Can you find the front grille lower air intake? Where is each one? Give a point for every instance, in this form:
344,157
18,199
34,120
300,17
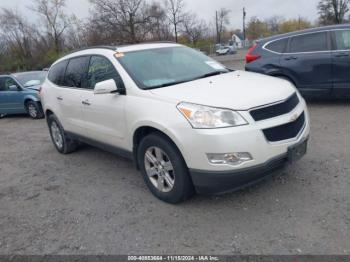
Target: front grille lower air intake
286,131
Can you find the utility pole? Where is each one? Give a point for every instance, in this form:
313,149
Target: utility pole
244,32
217,28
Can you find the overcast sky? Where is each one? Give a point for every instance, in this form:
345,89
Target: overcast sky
206,8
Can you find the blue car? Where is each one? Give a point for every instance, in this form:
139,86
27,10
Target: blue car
19,94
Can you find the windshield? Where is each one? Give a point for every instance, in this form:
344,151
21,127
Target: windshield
31,78
155,68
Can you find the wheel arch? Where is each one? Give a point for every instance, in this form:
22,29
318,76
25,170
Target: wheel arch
143,131
30,98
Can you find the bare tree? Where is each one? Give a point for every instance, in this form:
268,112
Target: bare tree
194,28
55,19
221,21
16,33
175,12
333,11
274,23
125,20
77,33
159,24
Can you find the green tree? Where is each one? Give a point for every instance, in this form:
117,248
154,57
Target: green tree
294,25
257,29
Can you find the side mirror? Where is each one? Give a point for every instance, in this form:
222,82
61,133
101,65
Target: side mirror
106,87
13,88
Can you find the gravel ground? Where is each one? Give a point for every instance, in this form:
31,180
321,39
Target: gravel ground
92,202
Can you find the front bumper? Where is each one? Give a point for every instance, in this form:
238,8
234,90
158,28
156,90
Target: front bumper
211,182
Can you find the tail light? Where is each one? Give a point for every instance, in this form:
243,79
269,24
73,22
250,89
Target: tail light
250,57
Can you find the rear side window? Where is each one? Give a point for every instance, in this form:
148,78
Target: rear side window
101,69
342,39
76,72
278,46
56,74
309,43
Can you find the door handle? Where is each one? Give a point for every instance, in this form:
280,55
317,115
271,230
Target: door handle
291,58
60,98
342,55
86,103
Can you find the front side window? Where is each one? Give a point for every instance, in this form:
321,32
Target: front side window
76,72
56,74
342,39
278,46
101,69
161,67
309,43
6,82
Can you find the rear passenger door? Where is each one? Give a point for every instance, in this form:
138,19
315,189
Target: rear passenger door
341,63
308,62
70,96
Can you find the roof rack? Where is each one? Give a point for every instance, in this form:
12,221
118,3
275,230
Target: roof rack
109,47
115,47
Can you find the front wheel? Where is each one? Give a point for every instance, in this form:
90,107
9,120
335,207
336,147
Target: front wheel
34,109
164,170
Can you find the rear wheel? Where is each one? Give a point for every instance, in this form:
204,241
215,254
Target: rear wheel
164,170
63,143
34,109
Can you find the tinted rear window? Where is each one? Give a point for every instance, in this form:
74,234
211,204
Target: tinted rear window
278,46
56,74
76,72
309,43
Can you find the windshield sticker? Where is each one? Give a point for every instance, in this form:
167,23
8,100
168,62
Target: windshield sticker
215,65
118,55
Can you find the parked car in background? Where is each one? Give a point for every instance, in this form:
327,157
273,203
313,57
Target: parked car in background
316,61
226,50
189,124
19,93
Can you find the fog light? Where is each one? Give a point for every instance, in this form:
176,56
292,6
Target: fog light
229,158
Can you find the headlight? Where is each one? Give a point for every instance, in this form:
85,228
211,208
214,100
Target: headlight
210,117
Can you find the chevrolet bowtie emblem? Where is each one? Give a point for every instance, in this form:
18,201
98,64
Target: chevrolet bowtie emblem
295,117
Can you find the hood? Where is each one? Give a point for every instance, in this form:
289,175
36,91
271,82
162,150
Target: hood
237,90
35,88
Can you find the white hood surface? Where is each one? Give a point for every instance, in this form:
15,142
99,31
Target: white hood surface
238,90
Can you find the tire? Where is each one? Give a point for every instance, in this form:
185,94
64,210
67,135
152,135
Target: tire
174,184
63,143
34,109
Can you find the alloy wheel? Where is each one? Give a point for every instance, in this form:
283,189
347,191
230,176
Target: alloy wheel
32,111
56,135
159,169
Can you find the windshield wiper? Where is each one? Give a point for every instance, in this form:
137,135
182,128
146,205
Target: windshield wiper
215,73
169,84
188,80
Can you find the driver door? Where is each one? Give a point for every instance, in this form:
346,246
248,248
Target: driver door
104,114
11,101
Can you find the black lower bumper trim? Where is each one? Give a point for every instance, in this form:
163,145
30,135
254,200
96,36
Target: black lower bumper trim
211,183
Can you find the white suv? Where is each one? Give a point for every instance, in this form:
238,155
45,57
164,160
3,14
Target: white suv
189,123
